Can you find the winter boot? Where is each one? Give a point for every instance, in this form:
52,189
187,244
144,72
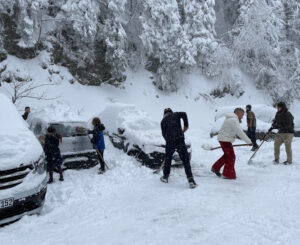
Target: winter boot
216,172
276,161
254,148
61,177
101,171
164,179
287,163
50,181
192,183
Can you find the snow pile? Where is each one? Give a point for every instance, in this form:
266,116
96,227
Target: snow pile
264,117
17,143
137,125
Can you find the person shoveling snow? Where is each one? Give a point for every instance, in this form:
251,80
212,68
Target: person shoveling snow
284,122
98,141
174,136
227,135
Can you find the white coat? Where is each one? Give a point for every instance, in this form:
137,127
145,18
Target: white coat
231,129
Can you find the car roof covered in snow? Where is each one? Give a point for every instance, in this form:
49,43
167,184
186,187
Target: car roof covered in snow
18,145
56,113
138,127
264,117
262,112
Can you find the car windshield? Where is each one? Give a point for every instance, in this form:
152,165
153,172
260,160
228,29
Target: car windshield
68,129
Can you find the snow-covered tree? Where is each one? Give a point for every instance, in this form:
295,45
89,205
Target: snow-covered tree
261,47
165,40
115,40
199,26
259,33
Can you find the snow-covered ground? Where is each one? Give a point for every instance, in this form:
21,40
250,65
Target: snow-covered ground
129,205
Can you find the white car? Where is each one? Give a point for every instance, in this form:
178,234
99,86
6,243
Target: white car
134,132
23,182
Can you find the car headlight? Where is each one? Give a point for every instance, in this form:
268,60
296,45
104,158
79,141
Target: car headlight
39,165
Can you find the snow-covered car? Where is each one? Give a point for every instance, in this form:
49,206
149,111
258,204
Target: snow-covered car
76,149
134,132
264,118
23,182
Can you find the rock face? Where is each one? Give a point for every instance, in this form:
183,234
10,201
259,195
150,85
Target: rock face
91,73
10,39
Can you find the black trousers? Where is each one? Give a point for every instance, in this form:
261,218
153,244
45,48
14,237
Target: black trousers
251,134
102,164
179,146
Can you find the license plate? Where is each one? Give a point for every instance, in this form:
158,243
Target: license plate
5,203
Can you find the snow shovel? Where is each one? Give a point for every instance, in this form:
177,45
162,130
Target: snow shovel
157,171
263,141
208,148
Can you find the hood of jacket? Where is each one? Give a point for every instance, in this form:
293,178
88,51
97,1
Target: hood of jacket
100,127
231,115
283,107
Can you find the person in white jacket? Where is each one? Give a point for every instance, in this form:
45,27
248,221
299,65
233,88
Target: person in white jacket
226,136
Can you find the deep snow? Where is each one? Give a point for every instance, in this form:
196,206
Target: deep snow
129,205
17,143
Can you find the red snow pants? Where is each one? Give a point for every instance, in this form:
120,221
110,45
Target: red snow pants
227,160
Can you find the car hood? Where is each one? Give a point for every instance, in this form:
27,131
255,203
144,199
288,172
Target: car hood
19,148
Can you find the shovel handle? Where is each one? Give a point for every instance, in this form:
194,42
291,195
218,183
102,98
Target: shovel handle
263,141
219,147
99,154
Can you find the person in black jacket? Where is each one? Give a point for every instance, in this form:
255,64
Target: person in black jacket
284,122
174,136
26,113
52,152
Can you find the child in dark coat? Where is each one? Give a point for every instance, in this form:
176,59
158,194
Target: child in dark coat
98,141
52,152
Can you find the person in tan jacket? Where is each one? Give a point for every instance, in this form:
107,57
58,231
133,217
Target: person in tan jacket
226,136
251,124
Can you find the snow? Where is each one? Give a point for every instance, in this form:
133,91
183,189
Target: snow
129,205
138,127
18,145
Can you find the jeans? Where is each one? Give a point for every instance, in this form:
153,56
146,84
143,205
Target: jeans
251,134
287,139
101,159
179,146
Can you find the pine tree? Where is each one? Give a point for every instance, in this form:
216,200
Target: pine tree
199,26
257,35
165,40
115,39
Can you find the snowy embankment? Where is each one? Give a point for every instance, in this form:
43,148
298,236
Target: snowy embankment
129,205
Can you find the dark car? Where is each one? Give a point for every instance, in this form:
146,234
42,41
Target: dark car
134,132
151,159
